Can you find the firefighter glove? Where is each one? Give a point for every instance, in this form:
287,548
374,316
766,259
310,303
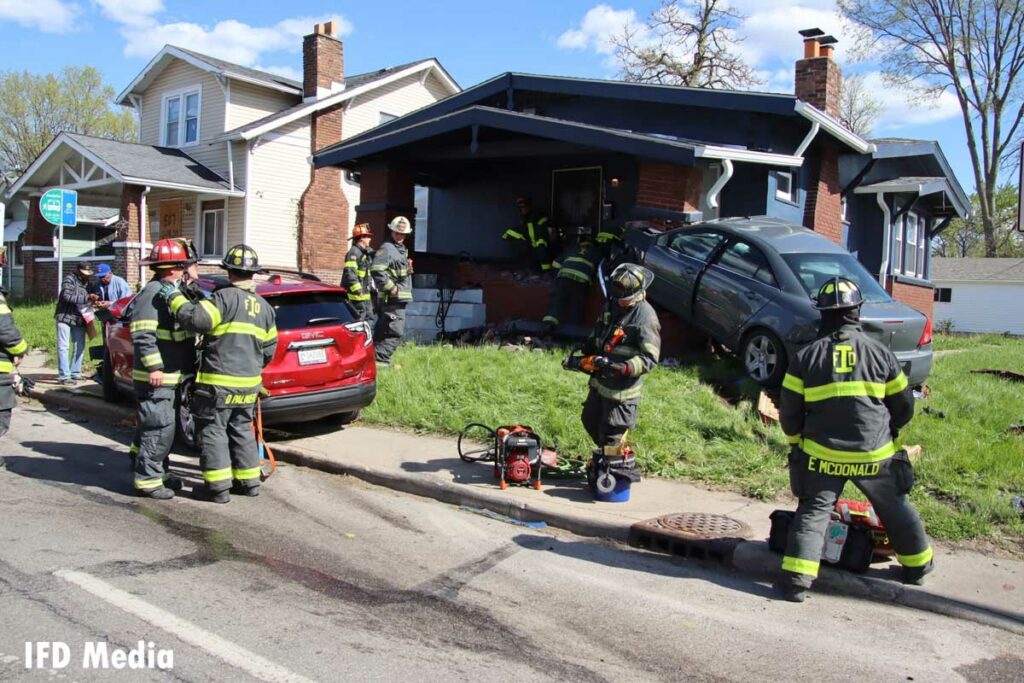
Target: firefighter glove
616,370
571,363
167,290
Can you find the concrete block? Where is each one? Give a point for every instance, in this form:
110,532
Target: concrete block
466,296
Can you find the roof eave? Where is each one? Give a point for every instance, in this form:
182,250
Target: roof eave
833,127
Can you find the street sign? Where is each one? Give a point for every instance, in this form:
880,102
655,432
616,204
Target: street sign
59,207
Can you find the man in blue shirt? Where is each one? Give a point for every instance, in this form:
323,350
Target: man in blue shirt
111,288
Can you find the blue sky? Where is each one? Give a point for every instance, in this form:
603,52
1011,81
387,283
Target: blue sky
474,41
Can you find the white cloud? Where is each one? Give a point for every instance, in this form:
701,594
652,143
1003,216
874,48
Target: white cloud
130,12
770,32
50,16
599,24
905,109
286,71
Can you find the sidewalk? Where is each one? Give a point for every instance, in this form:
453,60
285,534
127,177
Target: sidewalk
965,585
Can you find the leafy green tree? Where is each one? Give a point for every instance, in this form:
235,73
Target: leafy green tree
34,108
967,238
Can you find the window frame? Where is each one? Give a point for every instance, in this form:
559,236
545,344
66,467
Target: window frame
721,252
670,239
786,196
421,222
385,117
910,246
203,253
897,251
938,298
182,96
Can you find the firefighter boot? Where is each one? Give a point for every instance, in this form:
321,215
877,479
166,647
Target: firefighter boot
240,489
203,492
170,481
162,493
914,576
790,590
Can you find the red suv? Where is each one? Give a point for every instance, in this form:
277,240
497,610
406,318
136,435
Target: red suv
324,365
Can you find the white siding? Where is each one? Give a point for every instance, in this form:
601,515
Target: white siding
252,102
398,98
280,174
177,76
983,306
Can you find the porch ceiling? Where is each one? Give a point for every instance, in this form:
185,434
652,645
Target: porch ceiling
935,192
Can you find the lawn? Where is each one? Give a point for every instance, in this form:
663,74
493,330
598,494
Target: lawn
35,320
971,467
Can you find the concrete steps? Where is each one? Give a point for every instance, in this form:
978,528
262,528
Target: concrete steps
467,310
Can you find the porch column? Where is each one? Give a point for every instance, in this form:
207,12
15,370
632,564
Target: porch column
385,192
40,278
129,237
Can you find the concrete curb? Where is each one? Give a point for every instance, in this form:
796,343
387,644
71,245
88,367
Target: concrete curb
752,558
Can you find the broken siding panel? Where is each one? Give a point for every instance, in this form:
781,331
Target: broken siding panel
280,174
251,102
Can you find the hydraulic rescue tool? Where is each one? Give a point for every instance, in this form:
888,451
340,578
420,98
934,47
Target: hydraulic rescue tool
855,536
517,452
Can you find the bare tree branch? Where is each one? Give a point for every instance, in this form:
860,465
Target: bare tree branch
858,108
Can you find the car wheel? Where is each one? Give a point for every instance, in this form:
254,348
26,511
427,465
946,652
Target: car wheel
111,394
185,423
764,357
345,418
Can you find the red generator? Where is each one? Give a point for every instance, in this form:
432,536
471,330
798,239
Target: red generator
515,450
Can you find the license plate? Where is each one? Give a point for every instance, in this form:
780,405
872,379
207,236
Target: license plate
312,356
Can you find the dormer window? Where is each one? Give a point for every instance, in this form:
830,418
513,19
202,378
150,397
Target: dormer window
180,125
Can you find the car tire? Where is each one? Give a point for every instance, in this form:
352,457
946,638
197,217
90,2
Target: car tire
345,418
111,394
184,423
763,356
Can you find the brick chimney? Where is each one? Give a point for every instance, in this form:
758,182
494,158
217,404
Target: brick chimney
819,82
323,209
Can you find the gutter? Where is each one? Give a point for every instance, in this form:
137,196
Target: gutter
833,127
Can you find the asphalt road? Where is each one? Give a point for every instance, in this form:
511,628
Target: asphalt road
325,578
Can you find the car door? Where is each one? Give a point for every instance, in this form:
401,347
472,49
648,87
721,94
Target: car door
677,260
738,282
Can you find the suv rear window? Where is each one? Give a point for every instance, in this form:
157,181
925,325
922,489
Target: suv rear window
297,311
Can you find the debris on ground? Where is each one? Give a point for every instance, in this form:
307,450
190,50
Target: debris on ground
928,410
1004,374
1017,429
767,410
914,452
1018,504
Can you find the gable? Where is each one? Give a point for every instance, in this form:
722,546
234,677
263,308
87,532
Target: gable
397,99
178,77
249,102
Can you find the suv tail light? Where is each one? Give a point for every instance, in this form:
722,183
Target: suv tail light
363,327
926,336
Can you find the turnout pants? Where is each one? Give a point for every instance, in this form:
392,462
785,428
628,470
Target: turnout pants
364,310
886,488
8,399
228,449
389,331
154,438
567,301
607,421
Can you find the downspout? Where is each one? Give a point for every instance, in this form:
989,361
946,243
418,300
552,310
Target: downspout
143,228
883,274
815,127
720,183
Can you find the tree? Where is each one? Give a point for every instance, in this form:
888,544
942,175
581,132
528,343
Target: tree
685,43
967,238
35,108
858,108
971,48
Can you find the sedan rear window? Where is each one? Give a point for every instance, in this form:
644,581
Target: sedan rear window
316,309
813,270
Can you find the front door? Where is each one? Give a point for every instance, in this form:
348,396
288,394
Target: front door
170,219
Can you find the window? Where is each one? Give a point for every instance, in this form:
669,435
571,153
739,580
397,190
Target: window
213,237
698,245
748,261
385,117
842,210
922,240
910,261
17,258
784,186
422,202
299,311
181,119
897,252
813,270
943,295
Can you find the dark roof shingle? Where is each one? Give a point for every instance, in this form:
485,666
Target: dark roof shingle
977,269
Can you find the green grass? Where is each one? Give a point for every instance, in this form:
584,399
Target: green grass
971,466
949,342
34,319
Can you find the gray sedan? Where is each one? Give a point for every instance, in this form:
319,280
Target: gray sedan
749,284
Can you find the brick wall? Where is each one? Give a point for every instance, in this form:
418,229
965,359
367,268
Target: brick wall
323,209
916,296
40,279
823,207
669,187
819,82
384,193
126,259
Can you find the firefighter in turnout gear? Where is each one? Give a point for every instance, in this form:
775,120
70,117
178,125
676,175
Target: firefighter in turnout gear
844,400
392,274
239,340
533,234
575,273
12,349
356,277
163,352
625,345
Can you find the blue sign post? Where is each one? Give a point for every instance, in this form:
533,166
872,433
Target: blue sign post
60,207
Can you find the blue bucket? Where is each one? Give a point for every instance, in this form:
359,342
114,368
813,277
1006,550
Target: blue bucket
619,494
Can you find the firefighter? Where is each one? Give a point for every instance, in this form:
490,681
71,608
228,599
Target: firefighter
572,283
356,276
609,239
625,344
12,350
163,351
239,340
844,399
392,274
533,234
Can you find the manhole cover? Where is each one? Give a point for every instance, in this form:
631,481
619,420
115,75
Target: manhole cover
698,526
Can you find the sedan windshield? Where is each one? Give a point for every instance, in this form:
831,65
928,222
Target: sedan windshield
813,270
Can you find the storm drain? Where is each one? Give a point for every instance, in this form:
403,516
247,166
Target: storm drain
692,535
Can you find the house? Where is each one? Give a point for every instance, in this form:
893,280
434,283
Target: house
611,153
979,294
223,157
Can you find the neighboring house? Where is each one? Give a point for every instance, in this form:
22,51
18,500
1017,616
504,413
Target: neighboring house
223,157
605,153
979,294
